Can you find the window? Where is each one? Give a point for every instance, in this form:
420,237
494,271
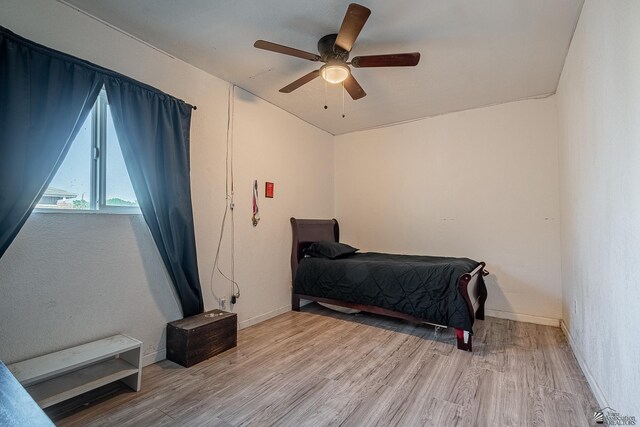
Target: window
93,176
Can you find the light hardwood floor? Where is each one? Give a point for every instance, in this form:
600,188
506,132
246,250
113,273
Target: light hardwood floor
318,367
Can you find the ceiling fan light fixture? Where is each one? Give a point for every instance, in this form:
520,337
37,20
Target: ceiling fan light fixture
335,73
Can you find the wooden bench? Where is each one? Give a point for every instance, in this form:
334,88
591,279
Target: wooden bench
59,376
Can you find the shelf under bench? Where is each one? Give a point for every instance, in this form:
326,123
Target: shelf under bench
59,376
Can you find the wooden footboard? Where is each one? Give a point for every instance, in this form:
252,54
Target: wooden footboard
474,291
470,285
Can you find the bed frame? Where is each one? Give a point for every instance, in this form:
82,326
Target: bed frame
470,285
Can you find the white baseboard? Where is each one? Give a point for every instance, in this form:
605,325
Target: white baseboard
547,321
156,356
263,317
595,388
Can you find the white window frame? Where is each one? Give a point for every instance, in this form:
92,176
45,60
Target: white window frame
98,184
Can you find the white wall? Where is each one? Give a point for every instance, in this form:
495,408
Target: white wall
73,278
481,183
56,293
599,110
273,145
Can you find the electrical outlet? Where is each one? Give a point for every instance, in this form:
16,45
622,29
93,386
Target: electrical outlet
223,303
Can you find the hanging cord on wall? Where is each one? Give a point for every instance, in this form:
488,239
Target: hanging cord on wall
228,208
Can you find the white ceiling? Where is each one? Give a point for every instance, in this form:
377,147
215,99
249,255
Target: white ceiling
474,52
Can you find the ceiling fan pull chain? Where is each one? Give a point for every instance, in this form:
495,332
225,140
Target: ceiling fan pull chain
325,95
343,99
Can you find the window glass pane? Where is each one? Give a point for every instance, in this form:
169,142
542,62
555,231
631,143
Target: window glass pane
69,188
119,190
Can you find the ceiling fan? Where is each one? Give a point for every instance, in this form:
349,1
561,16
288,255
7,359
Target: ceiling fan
334,51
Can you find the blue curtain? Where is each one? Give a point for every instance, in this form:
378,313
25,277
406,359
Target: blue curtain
45,97
35,132
153,130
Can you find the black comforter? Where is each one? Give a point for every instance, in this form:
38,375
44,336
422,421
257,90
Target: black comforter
422,286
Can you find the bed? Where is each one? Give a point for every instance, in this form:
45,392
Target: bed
446,292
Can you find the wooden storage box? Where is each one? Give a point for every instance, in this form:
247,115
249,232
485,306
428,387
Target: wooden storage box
199,337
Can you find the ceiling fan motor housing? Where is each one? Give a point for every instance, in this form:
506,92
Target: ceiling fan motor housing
329,51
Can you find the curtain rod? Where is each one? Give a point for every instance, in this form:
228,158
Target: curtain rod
5,32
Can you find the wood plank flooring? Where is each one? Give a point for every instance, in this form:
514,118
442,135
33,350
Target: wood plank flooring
318,367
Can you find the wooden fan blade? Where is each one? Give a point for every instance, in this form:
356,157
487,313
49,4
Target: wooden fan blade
286,50
302,80
391,60
352,86
352,24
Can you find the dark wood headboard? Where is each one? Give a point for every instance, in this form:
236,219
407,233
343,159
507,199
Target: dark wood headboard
307,231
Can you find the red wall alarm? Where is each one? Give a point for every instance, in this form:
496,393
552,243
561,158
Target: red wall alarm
268,190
